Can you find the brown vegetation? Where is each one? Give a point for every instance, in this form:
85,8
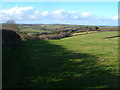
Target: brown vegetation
108,28
55,36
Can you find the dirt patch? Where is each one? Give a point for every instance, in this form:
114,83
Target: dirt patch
111,37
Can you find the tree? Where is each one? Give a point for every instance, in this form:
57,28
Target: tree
87,29
10,24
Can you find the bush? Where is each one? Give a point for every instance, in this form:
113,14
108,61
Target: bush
55,36
26,37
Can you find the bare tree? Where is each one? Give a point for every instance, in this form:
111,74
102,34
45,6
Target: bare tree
10,24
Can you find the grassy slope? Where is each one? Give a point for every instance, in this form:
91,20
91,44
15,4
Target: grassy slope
85,61
94,44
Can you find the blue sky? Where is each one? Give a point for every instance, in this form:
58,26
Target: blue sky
60,0
94,13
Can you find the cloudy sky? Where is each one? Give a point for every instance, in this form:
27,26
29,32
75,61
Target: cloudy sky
80,13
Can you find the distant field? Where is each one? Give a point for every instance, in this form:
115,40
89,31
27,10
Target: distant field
33,30
80,61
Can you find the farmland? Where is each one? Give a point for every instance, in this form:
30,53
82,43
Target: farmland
80,61
60,44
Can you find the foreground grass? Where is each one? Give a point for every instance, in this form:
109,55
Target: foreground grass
84,61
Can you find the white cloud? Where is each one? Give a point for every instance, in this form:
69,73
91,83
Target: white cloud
58,11
30,13
45,13
86,14
18,10
73,12
115,18
19,13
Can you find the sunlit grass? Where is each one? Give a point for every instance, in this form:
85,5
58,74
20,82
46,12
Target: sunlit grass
83,61
105,49
84,33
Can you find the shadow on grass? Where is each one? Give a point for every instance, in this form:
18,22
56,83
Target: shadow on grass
40,64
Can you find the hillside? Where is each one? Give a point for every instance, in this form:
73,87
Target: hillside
83,61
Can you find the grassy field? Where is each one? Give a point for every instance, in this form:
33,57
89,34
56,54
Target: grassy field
80,61
33,30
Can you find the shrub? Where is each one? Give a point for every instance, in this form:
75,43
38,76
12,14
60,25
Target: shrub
27,37
24,36
55,36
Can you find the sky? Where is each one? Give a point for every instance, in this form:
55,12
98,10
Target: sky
60,0
79,13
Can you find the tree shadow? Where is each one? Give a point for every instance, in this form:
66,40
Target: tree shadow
40,64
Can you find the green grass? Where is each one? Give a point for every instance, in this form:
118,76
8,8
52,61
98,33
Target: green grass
33,30
82,33
83,61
